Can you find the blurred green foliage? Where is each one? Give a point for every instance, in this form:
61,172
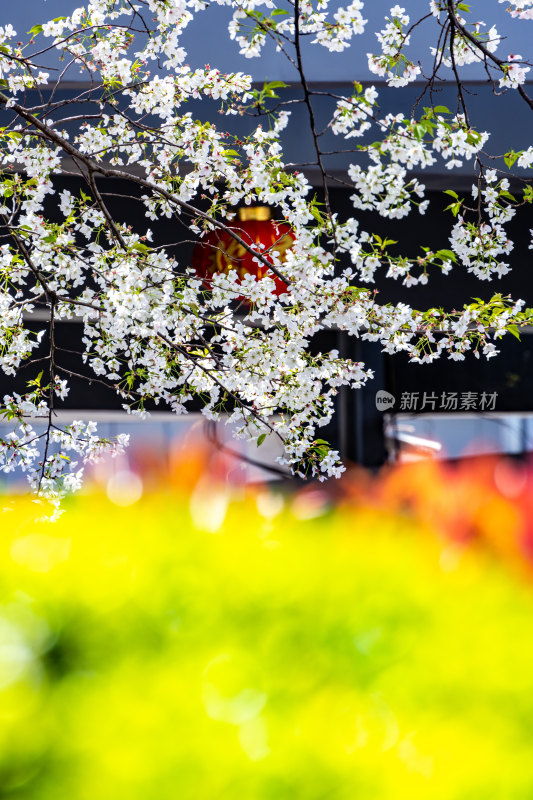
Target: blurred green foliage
186,648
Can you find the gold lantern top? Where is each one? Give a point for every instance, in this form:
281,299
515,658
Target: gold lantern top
260,213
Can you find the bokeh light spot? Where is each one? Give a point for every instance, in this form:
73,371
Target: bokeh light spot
124,488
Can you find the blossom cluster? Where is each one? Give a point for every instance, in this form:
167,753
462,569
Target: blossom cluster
480,246
391,63
461,50
514,72
520,9
43,455
251,29
353,117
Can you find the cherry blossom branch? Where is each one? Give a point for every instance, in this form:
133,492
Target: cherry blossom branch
311,113
51,390
499,62
95,167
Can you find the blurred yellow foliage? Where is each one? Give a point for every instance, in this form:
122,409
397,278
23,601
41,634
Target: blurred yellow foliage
201,646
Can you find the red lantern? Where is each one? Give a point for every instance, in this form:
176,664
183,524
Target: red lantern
219,252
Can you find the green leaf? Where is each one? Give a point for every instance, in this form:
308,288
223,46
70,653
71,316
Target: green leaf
316,213
463,7
451,193
35,30
473,138
441,110
513,330
507,195
454,208
511,157
446,255
261,439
